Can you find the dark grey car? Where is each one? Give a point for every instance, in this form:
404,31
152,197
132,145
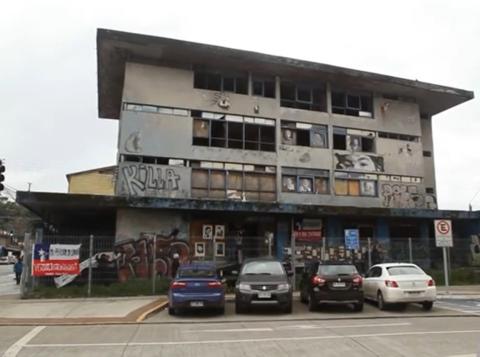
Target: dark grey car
263,282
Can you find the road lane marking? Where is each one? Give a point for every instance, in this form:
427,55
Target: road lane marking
259,329
307,327
296,327
250,340
14,349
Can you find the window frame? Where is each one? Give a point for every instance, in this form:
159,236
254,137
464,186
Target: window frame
312,104
346,109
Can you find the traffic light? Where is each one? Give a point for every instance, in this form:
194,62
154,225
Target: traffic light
2,176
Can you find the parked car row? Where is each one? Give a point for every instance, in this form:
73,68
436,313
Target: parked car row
265,282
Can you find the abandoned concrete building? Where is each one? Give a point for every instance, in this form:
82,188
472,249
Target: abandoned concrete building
236,153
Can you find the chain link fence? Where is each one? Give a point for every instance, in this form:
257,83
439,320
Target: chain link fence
145,266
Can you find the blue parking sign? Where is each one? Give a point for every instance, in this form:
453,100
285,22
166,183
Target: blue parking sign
352,239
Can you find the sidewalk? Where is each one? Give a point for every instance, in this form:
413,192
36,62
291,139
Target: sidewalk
459,292
84,311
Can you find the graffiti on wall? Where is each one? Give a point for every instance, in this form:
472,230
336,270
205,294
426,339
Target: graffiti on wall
135,256
357,161
475,249
132,144
405,196
137,179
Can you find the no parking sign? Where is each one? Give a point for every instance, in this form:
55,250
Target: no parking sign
443,233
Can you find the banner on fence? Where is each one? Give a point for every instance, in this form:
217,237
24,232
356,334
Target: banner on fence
308,235
55,259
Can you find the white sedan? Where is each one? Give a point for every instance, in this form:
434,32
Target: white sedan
393,283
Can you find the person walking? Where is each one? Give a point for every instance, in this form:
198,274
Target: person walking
18,268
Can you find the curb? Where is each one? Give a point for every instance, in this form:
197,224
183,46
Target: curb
149,312
134,317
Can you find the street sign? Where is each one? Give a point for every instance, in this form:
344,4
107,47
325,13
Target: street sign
443,233
352,239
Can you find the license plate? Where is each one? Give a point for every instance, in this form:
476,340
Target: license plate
264,295
196,303
337,284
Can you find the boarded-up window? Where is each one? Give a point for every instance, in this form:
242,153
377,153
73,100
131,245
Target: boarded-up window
217,180
199,179
251,182
235,180
267,183
341,187
354,188
321,185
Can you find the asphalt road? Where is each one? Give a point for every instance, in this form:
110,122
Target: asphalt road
7,280
431,334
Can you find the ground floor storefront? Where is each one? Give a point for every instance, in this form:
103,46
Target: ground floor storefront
162,232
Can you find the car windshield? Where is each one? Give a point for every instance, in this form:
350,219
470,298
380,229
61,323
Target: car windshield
196,273
404,270
263,268
337,270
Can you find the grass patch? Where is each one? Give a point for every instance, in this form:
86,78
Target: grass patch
458,276
134,287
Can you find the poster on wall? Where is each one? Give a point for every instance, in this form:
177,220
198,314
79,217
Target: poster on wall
199,249
219,249
352,241
219,232
55,259
207,231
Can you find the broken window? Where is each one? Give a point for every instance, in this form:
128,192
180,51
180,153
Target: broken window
233,131
263,87
352,103
427,154
351,184
222,82
302,96
353,140
304,134
305,180
396,136
339,138
430,190
237,183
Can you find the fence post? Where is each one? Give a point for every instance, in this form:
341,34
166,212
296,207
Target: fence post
410,252
26,280
292,247
369,251
90,252
154,266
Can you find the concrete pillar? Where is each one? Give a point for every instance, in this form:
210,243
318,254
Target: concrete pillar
424,242
282,237
382,235
334,231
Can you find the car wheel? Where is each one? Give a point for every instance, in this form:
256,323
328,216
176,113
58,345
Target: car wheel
171,311
312,304
381,301
358,307
427,305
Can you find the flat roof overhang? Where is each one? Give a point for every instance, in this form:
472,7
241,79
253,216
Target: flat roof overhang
115,48
54,206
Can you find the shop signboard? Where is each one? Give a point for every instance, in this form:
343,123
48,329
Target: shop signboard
55,259
352,239
308,235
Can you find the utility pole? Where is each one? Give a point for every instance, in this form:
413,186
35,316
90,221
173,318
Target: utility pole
29,186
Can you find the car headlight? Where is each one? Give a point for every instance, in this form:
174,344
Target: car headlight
243,286
283,287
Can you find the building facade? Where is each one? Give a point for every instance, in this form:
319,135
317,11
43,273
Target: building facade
233,153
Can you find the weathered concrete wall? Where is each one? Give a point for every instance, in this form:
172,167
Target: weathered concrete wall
91,183
171,136
429,162
401,157
148,180
133,223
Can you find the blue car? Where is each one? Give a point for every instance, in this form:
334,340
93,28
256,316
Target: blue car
196,286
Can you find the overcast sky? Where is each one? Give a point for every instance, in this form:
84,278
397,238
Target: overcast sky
48,89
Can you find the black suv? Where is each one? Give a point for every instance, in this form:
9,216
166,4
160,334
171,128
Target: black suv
331,283
262,282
